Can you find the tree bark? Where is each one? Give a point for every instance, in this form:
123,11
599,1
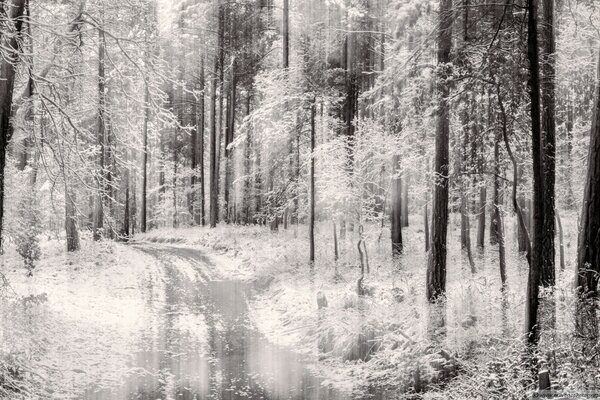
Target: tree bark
200,153
436,266
481,222
145,159
548,86
102,178
588,249
396,227
532,301
8,67
72,233
228,140
405,200
214,177
311,222
561,242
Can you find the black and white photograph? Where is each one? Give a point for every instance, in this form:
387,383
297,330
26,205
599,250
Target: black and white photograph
299,199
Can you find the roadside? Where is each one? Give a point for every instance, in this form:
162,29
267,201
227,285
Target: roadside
74,323
389,340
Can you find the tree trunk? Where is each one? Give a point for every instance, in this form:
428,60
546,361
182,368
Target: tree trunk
396,207
286,34
560,241
405,200
495,198
102,177
71,220
548,142
588,249
426,227
311,222
228,140
538,175
8,66
481,223
213,190
126,217
436,265
200,153
145,159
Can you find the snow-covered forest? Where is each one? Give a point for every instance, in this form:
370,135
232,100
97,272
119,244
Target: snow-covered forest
299,199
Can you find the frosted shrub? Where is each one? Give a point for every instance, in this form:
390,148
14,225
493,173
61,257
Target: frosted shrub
27,231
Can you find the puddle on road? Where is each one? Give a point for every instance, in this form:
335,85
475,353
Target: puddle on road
233,361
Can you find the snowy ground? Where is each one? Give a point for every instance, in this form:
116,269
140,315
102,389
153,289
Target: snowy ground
381,341
82,321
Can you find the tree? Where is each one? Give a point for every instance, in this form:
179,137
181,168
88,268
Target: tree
532,301
11,45
548,65
588,249
436,265
396,207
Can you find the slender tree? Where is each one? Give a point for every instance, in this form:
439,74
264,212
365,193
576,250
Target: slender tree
533,282
396,207
548,87
588,249
436,265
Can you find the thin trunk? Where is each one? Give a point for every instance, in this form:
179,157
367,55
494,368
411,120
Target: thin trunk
588,248
200,128
560,241
426,227
102,177
228,140
538,176
145,159
436,266
213,190
481,223
335,243
311,223
494,223
126,217
286,34
72,233
548,143
405,200
396,227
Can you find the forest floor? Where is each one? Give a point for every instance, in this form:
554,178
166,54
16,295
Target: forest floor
392,339
76,321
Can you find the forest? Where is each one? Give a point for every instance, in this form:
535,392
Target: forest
299,199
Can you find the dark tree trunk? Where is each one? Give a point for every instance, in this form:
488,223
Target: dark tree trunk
481,222
436,266
102,176
426,227
588,249
145,159
405,200
495,199
126,217
311,222
228,140
286,34
547,271
214,173
396,207
497,213
72,233
200,153
561,242
8,71
532,302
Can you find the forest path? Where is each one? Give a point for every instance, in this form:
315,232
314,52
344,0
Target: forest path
200,343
